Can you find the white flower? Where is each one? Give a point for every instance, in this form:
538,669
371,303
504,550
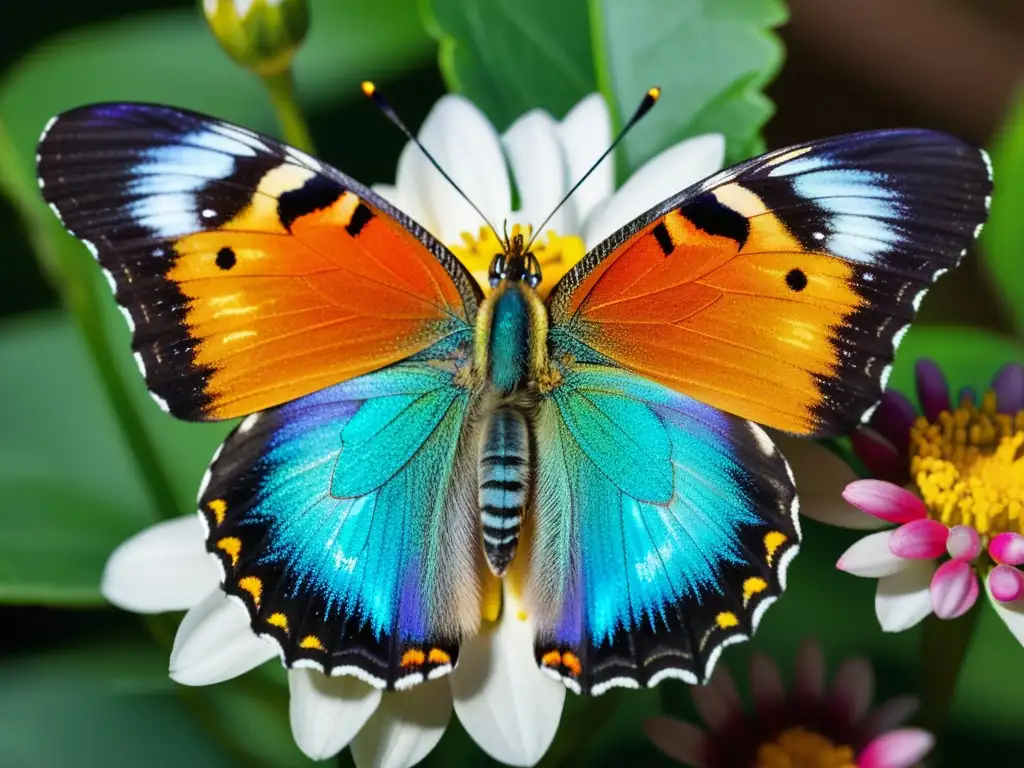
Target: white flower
509,707
545,158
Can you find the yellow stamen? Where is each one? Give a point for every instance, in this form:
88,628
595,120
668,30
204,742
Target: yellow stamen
555,253
969,466
800,748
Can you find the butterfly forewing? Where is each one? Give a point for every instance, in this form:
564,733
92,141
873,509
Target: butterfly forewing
250,273
779,290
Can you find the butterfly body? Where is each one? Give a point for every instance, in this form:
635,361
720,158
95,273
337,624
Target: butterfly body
404,432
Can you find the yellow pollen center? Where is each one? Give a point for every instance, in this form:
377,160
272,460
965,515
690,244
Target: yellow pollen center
555,253
800,748
969,466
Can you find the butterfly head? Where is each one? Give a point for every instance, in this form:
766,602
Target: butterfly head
515,263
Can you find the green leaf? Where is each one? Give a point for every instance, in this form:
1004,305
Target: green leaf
99,706
511,56
54,537
1003,236
711,59
969,357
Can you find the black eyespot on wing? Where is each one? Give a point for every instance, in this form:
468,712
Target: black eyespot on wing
664,239
226,258
796,280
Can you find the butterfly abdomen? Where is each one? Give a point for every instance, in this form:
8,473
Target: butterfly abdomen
504,484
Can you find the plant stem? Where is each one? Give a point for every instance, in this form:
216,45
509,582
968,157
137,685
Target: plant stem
75,279
281,88
944,645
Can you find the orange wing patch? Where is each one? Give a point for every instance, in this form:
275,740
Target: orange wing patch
282,314
706,315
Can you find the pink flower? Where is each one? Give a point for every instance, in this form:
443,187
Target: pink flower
962,520
807,725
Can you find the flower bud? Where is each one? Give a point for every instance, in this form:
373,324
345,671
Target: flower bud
261,35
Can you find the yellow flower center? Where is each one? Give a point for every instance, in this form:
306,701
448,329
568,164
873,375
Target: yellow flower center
800,748
555,253
969,466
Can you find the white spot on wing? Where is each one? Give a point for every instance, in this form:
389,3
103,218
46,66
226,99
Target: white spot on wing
866,416
883,380
91,248
248,423
615,682
140,363
56,213
671,673
127,318
919,298
988,163
897,338
716,652
160,402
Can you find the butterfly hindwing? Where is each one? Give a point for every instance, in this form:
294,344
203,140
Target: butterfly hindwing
346,523
663,530
778,290
249,272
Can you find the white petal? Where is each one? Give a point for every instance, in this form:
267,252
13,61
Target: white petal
659,178
327,712
215,643
585,133
538,164
163,568
1011,613
903,599
466,145
821,477
407,189
405,727
870,557
509,707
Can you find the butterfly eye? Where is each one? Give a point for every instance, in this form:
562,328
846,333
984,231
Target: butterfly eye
497,270
533,273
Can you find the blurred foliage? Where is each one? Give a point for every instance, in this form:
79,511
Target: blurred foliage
86,458
1003,236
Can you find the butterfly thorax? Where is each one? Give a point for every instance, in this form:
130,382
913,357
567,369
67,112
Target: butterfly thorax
512,323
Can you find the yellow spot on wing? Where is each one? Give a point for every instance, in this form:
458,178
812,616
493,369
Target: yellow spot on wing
261,214
772,541
218,507
551,659
278,620
751,587
340,212
253,586
726,620
572,662
312,642
414,657
232,546
437,656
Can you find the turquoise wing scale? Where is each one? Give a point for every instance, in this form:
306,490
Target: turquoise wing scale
663,531
332,526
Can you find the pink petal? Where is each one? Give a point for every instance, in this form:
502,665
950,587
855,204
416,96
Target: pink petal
963,543
809,674
766,685
932,389
893,419
871,557
896,749
885,500
892,714
919,540
683,742
852,689
881,457
1007,548
954,589
1005,583
718,701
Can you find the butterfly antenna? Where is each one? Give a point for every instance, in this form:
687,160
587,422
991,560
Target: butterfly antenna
649,100
384,106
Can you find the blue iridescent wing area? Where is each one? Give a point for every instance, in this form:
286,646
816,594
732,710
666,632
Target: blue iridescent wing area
346,522
663,531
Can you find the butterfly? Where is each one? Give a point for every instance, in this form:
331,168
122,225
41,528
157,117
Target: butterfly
403,433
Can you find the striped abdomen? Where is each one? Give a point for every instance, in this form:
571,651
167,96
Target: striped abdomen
504,485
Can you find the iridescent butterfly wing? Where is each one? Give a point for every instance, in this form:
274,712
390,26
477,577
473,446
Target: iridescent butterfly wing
775,291
255,278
